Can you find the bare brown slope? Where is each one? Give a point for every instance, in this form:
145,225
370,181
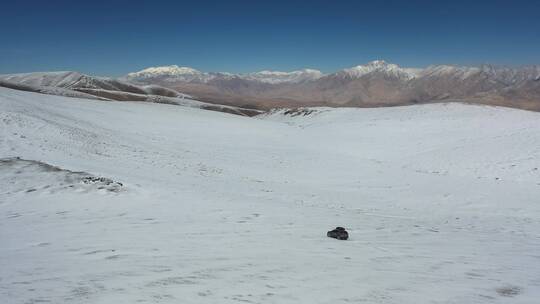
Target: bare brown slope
373,90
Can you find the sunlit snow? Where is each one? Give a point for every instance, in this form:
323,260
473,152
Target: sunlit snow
441,202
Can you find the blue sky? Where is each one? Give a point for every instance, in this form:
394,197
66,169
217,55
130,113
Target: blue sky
111,38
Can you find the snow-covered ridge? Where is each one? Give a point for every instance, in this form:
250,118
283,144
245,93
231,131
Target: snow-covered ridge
283,77
57,79
380,66
445,70
498,73
506,75
171,70
176,73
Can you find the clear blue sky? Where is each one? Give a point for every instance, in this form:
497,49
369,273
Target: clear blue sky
115,37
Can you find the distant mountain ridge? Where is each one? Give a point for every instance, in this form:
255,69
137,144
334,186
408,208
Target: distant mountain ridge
376,83
176,73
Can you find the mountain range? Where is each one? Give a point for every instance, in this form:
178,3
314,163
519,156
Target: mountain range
374,84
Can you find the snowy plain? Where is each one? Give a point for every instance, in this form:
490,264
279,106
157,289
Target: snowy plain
442,203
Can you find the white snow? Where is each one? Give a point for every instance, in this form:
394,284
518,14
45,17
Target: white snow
171,70
441,202
175,73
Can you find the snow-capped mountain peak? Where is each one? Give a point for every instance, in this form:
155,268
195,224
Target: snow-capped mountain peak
379,66
171,70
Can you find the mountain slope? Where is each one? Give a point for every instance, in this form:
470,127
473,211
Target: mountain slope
125,202
74,84
377,83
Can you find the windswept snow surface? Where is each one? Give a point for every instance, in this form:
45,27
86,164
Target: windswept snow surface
441,202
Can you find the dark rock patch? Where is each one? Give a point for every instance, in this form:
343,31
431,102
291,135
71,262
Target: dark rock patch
339,233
